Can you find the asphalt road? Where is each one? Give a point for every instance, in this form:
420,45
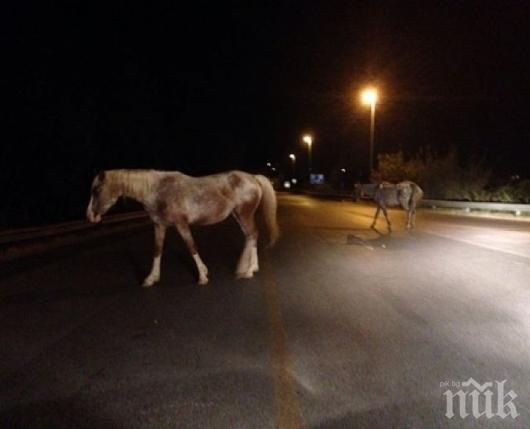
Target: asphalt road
342,327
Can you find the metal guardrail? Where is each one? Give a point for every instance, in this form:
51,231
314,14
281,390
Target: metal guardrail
517,209
366,193
21,234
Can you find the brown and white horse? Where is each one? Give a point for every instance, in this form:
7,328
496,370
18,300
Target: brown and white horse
405,194
175,199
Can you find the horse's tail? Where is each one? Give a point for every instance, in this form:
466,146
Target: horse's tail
417,193
268,207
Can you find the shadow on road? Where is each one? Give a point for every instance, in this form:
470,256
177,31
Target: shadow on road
54,414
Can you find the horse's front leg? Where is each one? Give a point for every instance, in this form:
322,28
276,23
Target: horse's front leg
184,231
154,275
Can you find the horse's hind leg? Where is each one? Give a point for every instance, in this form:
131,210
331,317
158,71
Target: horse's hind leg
154,275
184,231
389,225
376,216
409,218
248,262
412,217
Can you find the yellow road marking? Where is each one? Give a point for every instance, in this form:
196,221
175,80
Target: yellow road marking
287,407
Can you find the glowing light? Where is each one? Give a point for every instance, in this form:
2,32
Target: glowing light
294,181
343,170
369,96
287,184
268,164
307,139
293,157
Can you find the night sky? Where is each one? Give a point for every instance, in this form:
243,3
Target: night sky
211,86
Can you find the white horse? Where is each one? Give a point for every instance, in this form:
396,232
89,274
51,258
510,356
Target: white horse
405,194
174,199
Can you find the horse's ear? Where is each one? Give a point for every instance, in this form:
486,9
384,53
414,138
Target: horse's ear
101,176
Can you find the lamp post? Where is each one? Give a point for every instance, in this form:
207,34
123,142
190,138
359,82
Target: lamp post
369,97
293,161
307,139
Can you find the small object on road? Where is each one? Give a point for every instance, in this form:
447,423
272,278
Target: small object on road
352,239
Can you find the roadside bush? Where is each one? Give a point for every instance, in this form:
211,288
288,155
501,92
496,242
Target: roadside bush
518,192
442,177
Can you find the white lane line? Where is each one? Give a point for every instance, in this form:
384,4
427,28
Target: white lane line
474,243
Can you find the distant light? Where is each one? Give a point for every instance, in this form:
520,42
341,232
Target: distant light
308,139
343,170
292,156
287,184
369,96
273,169
294,181
268,164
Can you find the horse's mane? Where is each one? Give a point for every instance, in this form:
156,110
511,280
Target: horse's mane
131,182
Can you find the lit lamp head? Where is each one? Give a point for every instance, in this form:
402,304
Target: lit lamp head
369,96
307,139
293,157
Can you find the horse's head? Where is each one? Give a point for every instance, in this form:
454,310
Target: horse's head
103,196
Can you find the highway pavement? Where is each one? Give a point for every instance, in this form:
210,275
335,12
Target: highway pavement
343,326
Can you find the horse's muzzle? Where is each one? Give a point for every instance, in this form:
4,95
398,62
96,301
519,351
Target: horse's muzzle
92,217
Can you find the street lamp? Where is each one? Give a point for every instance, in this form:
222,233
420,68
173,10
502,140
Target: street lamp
293,160
369,98
307,139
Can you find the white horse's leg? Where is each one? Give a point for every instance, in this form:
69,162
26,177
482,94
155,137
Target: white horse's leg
409,218
254,263
412,220
389,225
248,262
376,216
154,275
185,233
202,268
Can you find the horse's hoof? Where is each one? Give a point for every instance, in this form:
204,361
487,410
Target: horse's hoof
148,283
203,281
247,275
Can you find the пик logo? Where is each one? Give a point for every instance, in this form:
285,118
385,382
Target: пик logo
480,394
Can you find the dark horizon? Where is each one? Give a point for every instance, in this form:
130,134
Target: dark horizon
207,88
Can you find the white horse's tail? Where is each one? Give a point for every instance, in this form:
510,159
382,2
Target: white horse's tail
268,207
417,193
